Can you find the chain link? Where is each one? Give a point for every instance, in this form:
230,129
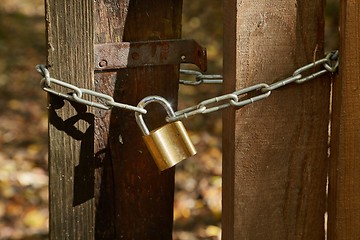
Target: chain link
260,91
77,93
200,78
238,99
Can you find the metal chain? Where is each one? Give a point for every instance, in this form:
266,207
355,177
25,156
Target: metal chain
236,99
77,93
218,79
200,78
259,91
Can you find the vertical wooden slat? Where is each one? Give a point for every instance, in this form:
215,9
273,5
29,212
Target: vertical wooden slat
71,128
134,199
275,151
344,177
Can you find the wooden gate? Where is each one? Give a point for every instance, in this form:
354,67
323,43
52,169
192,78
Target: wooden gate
103,183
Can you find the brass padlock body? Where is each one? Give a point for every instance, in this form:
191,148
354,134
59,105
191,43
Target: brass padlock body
169,145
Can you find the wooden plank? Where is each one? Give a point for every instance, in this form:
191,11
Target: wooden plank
134,199
344,177
71,128
274,151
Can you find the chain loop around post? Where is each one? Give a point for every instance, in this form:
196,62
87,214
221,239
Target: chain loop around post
332,64
76,94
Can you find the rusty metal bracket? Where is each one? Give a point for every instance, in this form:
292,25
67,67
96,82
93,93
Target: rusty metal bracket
111,56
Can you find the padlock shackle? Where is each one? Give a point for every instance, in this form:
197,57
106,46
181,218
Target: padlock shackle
143,103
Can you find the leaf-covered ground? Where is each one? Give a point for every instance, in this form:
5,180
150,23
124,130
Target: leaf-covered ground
23,122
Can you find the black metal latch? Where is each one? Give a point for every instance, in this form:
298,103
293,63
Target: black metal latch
110,56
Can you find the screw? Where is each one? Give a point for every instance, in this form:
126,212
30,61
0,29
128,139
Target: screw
103,63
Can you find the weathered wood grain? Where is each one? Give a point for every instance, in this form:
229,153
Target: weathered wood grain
344,177
275,151
134,199
71,126
103,182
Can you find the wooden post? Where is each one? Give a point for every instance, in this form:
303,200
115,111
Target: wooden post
71,127
135,200
275,151
119,193
344,177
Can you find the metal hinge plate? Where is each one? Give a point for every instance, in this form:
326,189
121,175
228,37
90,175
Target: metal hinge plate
112,56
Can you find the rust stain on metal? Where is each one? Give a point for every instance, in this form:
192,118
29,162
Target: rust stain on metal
165,50
135,55
112,56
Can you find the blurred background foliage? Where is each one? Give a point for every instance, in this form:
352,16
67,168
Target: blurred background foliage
23,123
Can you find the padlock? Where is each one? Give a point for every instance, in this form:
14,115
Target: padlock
169,144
